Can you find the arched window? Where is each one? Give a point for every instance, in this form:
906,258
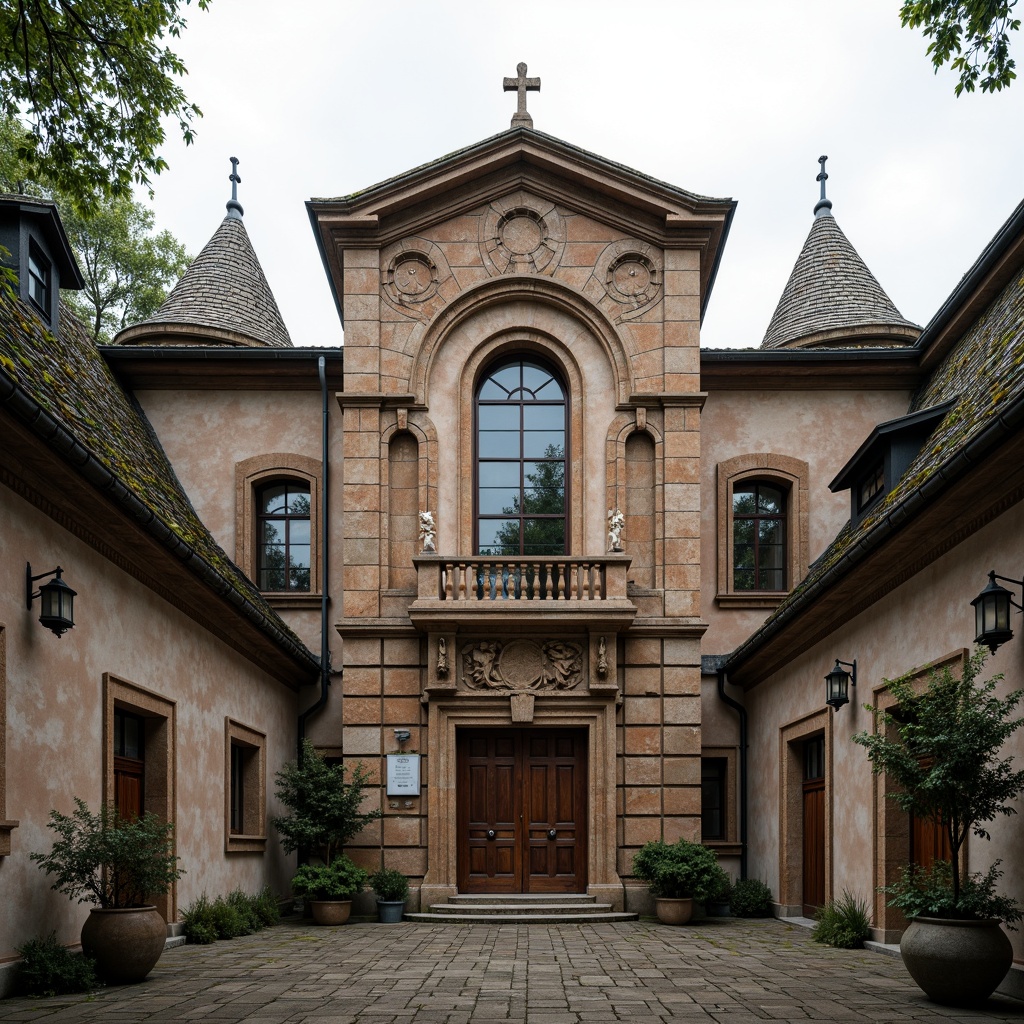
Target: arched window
758,536
283,537
521,432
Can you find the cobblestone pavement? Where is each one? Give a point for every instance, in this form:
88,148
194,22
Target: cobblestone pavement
719,972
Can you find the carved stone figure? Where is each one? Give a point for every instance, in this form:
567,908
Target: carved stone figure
442,658
616,522
427,531
522,665
602,658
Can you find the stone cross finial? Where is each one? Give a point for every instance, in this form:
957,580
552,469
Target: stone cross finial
235,210
824,206
522,85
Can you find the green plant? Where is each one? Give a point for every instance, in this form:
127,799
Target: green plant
244,907
226,920
106,859
943,754
680,870
843,923
198,920
339,880
50,969
721,887
750,898
324,806
266,907
928,892
390,885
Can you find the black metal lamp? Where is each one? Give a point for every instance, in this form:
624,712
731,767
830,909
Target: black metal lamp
56,600
837,683
992,613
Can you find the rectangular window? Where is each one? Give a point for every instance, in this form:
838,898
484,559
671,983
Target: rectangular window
245,788
39,279
714,774
871,487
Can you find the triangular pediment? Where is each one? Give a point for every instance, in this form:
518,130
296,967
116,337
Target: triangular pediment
516,162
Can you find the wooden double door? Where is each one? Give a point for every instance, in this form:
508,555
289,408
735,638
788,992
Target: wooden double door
522,814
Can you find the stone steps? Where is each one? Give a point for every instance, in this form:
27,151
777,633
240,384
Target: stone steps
522,908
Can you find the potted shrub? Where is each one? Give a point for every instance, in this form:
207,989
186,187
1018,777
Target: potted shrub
330,888
750,897
325,814
943,752
391,888
677,874
717,902
121,864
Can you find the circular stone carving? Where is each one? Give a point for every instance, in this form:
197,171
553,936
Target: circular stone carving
411,278
633,279
521,234
522,664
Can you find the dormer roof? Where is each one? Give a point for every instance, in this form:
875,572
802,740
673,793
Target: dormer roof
522,159
222,299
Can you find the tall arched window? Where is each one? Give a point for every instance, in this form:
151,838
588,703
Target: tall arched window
521,432
282,536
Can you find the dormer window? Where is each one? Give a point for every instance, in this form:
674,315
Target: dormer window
872,486
39,279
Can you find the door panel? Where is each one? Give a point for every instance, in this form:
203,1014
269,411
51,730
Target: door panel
521,810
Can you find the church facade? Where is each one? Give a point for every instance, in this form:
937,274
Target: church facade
563,580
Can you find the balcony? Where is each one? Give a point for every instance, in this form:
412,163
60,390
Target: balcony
522,594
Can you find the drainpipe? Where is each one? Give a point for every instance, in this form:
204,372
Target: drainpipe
742,712
325,651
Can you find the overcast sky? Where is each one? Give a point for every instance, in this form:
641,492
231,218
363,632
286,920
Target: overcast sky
326,97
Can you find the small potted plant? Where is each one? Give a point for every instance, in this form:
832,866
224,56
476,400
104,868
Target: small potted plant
750,897
121,864
717,902
943,753
391,888
330,888
677,873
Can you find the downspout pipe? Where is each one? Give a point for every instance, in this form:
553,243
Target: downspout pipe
325,650
742,712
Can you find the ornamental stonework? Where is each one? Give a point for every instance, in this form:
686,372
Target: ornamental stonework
522,234
413,272
631,273
522,665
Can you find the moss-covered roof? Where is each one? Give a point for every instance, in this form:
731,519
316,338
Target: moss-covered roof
983,377
67,378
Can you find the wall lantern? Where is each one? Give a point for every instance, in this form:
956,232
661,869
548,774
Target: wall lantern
837,683
56,600
992,613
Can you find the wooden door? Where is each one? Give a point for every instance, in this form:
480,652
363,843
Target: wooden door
814,826
521,810
929,842
129,763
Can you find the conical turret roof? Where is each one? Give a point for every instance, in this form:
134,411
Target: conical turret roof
222,299
831,298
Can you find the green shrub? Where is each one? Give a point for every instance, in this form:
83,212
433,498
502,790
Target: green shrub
721,887
244,907
200,924
390,885
680,870
226,921
930,893
266,908
843,923
340,880
751,898
50,969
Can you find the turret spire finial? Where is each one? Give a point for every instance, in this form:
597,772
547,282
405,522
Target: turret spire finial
235,210
823,208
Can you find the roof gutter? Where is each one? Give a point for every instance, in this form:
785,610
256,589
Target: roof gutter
61,441
1003,425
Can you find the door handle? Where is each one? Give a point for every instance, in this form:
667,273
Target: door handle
491,833
552,834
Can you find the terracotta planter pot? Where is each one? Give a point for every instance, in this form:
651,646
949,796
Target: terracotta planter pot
956,963
673,911
331,912
125,944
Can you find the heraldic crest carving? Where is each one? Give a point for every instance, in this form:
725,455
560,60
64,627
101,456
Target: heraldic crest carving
522,665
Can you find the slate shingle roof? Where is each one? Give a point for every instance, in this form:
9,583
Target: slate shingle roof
63,379
832,298
223,298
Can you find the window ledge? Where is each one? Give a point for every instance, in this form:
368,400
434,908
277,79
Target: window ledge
245,844
724,848
752,599
292,600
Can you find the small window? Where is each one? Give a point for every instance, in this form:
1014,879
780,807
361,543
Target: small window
871,487
39,279
245,788
759,536
714,774
283,537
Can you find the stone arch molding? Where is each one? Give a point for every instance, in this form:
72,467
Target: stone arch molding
539,297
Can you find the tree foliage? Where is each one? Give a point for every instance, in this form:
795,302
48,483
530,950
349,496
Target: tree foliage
91,80
972,36
942,750
126,265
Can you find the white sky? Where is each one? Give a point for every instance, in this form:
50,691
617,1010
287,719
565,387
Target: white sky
737,99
